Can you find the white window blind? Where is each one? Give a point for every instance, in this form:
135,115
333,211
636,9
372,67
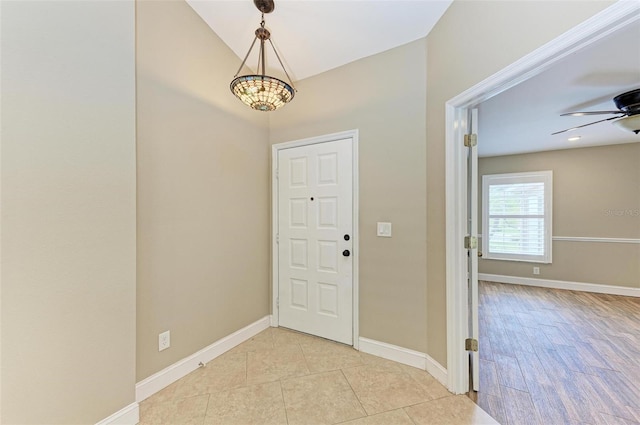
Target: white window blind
517,216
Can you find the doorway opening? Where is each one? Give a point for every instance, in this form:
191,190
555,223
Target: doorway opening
608,21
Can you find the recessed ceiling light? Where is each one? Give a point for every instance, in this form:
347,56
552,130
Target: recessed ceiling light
574,138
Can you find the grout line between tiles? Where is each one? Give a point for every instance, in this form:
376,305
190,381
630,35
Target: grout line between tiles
284,404
404,409
204,418
246,369
306,363
354,393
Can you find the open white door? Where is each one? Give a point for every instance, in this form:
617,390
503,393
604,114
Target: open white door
472,214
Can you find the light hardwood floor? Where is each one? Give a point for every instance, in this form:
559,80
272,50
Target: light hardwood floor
552,356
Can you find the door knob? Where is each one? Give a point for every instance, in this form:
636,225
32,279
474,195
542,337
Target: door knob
346,253
479,253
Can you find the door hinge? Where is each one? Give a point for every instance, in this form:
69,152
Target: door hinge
470,242
277,237
471,344
470,140
277,173
278,302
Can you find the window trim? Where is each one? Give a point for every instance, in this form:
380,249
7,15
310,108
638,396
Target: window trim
545,177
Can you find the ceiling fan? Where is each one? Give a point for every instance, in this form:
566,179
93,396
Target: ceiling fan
627,115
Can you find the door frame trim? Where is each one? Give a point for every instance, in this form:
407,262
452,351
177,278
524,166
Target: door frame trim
609,20
349,134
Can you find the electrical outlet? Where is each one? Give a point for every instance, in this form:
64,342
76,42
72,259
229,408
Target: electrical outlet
536,270
164,340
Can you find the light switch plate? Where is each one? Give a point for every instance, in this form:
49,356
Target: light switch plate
384,230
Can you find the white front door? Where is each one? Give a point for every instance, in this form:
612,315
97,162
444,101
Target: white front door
315,239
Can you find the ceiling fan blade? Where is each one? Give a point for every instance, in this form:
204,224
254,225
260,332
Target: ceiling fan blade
584,125
579,114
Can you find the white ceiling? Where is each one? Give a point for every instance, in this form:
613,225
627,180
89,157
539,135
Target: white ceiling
522,119
313,36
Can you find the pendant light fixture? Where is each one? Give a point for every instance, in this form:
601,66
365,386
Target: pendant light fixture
262,92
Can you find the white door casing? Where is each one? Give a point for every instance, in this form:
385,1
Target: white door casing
315,238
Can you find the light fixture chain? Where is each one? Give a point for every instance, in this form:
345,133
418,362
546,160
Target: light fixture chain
261,58
279,60
246,56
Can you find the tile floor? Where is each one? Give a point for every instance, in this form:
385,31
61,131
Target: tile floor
285,377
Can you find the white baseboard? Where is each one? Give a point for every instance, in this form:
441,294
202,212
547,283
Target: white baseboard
562,284
129,415
438,371
405,356
154,383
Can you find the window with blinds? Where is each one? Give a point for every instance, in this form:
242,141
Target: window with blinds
516,216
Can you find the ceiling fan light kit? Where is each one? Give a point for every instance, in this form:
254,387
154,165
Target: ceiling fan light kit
259,91
630,123
627,116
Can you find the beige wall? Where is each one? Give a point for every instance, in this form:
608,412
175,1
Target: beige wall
203,185
472,41
68,187
68,211
382,96
595,194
